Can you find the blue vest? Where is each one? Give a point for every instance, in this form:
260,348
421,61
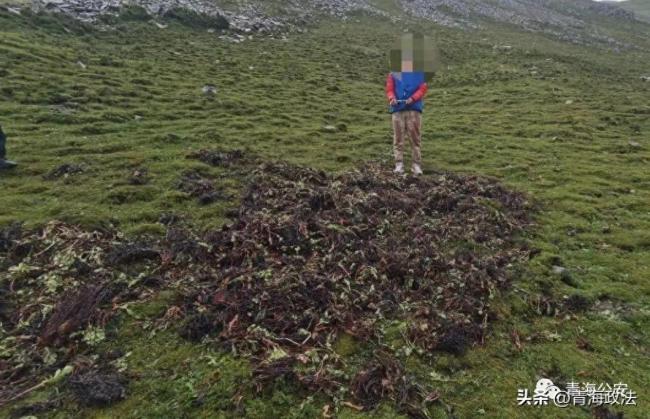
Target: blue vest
406,83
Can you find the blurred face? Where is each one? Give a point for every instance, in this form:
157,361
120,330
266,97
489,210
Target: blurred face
414,53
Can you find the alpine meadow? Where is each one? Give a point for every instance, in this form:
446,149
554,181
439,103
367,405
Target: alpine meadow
204,221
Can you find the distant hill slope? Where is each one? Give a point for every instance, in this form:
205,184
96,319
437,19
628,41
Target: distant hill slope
641,8
575,21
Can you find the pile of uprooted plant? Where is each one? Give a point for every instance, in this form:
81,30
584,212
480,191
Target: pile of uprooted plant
308,258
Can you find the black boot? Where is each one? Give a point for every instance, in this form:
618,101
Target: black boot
4,164
7,164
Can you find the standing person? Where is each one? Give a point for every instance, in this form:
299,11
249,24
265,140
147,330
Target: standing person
405,91
405,87
4,164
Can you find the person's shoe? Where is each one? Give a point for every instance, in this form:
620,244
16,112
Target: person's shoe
7,164
399,168
417,170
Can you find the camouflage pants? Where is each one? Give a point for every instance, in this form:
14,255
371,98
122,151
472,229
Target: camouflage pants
407,123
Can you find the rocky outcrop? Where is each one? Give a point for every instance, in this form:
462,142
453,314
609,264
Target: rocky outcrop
567,20
611,10
246,19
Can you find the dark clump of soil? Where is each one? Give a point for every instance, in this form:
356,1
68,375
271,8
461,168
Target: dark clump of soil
170,219
455,341
75,310
602,412
64,170
9,235
577,303
218,157
34,409
200,325
130,253
92,388
200,187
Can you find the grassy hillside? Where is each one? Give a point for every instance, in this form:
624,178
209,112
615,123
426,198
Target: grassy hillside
568,125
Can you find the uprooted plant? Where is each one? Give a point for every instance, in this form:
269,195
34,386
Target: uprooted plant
309,257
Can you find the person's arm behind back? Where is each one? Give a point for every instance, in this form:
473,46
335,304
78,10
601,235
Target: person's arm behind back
390,89
420,92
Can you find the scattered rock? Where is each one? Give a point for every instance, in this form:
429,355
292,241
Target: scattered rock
565,276
209,89
502,47
633,144
65,170
329,128
139,176
558,270
610,308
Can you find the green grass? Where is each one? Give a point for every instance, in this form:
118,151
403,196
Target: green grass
551,119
